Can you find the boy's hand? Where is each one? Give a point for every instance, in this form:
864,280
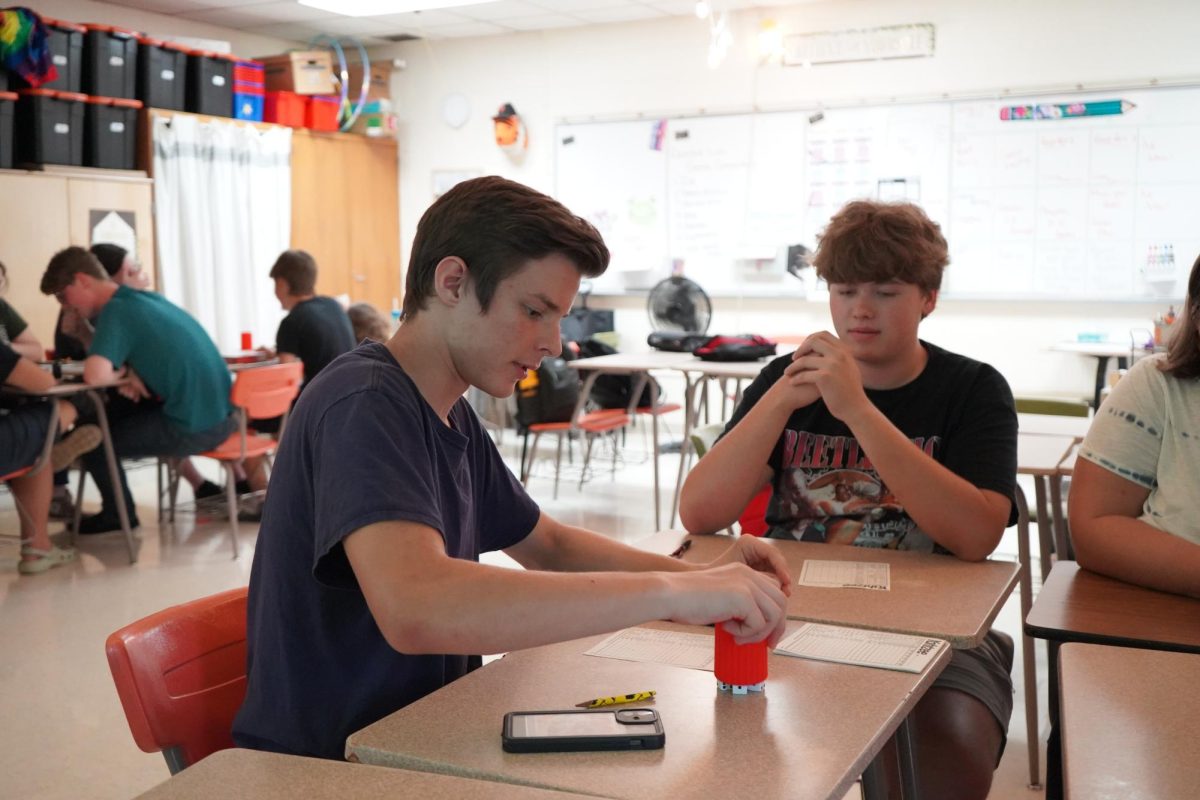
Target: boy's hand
791,392
748,603
824,362
758,555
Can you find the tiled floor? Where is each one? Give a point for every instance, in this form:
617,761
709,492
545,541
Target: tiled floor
62,731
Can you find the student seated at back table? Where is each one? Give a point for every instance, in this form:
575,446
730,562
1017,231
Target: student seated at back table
366,593
315,331
875,438
23,431
367,322
1134,505
178,381
14,331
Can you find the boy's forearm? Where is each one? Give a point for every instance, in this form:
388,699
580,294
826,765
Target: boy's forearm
951,510
731,473
571,549
476,608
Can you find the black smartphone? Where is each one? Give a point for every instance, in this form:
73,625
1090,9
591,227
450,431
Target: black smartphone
579,729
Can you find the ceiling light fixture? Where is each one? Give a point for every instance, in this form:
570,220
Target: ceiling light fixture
378,8
703,10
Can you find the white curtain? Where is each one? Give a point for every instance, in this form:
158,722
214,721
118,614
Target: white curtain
222,212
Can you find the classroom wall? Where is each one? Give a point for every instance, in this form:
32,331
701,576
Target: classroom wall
160,25
659,68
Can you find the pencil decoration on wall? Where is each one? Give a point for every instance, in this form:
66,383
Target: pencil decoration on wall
1097,108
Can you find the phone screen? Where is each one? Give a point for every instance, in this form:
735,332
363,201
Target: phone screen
556,725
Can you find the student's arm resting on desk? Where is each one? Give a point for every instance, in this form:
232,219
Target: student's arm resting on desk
98,370
961,517
736,468
28,345
29,376
1110,539
424,601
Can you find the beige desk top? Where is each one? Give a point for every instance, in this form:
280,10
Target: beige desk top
1054,425
809,735
1075,605
632,362
253,775
1129,722
1042,454
931,595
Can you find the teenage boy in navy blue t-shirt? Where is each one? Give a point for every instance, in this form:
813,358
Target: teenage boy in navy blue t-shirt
366,592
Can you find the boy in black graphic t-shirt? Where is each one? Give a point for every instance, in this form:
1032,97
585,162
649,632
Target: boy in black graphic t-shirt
874,438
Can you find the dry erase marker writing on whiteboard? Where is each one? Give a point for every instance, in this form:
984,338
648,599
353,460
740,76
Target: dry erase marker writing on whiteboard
617,700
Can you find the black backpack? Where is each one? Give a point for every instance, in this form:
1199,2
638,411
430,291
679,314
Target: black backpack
611,391
548,394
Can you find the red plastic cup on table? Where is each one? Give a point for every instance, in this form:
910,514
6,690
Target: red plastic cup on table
739,668
247,342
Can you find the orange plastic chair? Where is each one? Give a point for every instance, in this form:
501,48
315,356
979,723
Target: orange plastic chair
591,425
257,393
181,676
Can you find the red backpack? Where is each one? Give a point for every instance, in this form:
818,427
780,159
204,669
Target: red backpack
742,347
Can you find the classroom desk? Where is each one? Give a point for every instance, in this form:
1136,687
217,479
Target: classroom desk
1129,726
968,597
637,366
1076,605
813,731
1054,425
696,374
255,775
1102,352
94,392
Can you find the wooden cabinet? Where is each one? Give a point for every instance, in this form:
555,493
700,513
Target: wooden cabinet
346,212
43,212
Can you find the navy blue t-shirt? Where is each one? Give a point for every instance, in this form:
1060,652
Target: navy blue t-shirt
361,446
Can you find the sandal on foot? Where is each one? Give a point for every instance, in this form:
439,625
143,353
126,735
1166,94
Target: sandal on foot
43,560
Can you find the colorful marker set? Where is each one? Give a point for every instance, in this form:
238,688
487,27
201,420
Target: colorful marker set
1099,108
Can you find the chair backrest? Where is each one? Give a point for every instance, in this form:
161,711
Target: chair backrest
265,392
704,437
181,676
1054,406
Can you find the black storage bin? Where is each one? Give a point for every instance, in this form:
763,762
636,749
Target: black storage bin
65,42
110,132
49,127
110,62
8,107
162,74
210,83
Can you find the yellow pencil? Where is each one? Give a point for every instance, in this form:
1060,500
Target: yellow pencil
620,699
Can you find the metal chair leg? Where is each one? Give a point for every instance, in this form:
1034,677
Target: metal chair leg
231,500
587,457
1028,645
558,461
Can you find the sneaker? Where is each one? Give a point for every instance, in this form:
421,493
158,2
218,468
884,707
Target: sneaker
34,561
82,439
61,505
104,522
209,489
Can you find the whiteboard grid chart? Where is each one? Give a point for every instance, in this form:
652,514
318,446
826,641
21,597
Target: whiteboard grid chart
1073,208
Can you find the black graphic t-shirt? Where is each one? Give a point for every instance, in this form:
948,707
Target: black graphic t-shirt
958,411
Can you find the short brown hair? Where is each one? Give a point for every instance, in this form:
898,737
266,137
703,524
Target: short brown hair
495,226
872,242
367,322
298,270
66,264
1183,349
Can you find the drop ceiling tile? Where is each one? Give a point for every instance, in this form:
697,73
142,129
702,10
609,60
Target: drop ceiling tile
571,6
504,9
619,14
540,22
424,19
465,29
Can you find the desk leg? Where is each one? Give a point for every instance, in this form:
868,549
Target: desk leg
1101,375
1028,653
874,786
691,413
638,385
1062,537
1045,525
1054,776
907,757
114,473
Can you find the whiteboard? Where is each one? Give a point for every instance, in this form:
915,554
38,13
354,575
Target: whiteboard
1102,207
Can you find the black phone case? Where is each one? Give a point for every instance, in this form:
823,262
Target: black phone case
641,736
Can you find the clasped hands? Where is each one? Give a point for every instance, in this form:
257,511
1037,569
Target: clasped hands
823,368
